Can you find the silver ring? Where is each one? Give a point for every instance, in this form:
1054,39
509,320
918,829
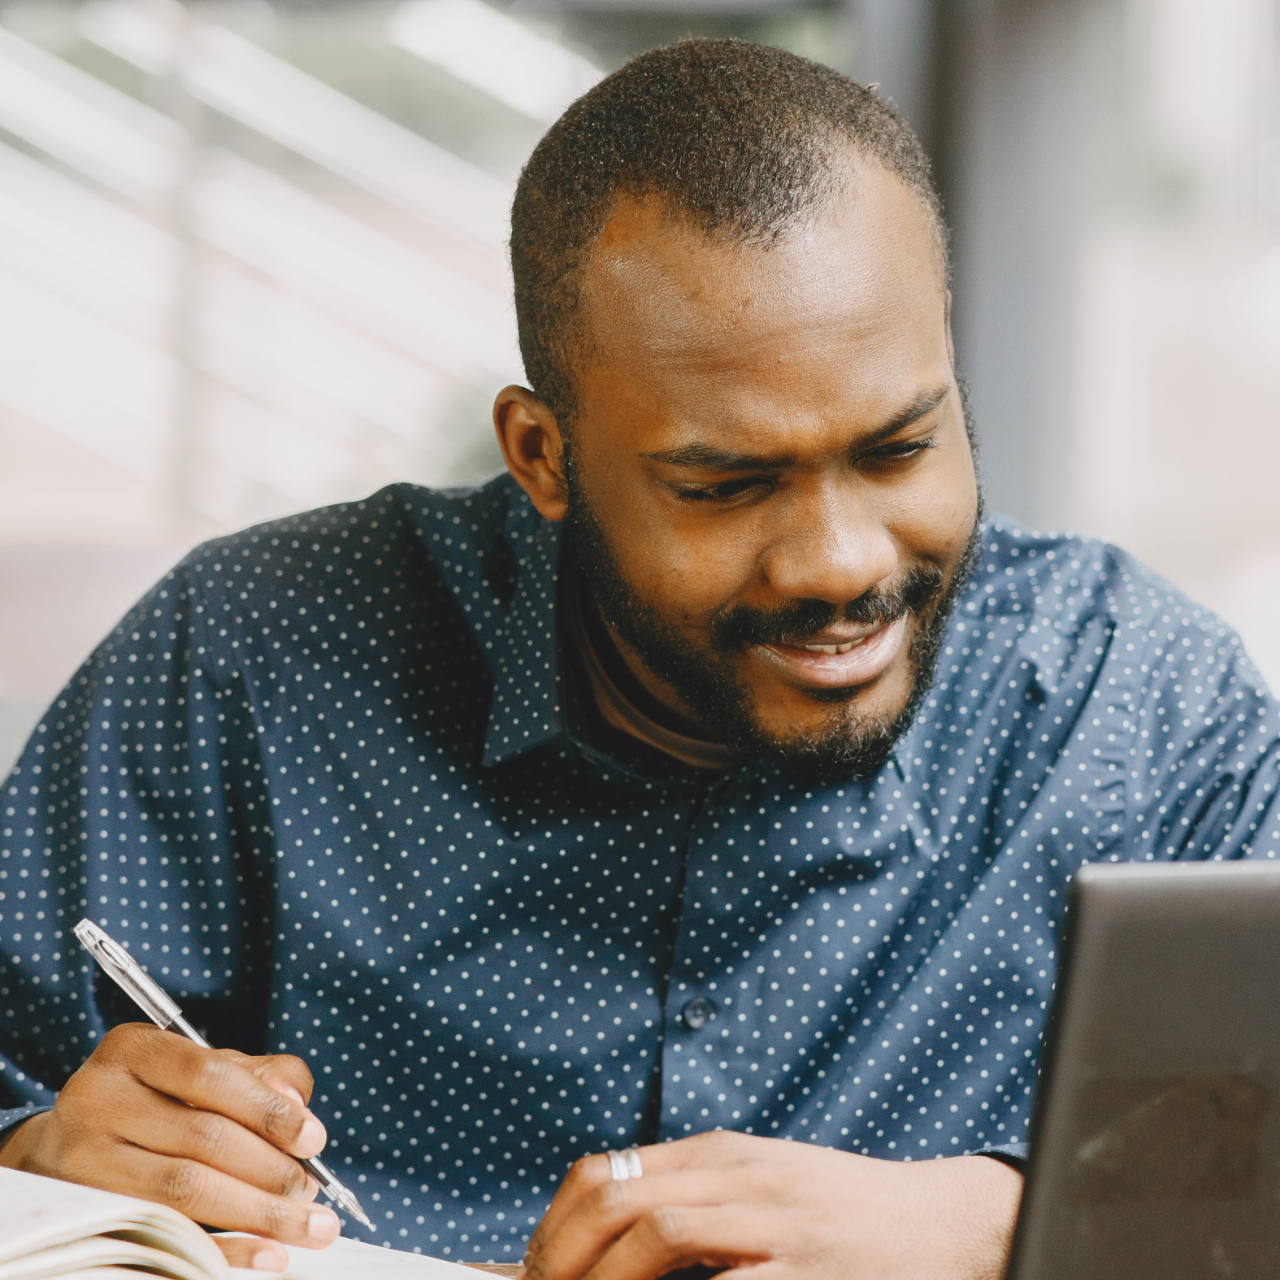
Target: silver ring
625,1164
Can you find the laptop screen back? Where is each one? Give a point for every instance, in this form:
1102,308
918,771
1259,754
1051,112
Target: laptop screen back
1156,1134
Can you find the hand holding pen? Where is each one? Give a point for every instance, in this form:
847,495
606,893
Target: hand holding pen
215,1134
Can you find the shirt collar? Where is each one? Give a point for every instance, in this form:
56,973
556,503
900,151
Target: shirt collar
517,627
527,705
500,560
518,635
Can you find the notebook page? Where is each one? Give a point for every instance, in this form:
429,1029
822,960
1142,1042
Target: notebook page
36,1213
95,1273
94,1252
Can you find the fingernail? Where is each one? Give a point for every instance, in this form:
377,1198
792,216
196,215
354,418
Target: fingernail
311,1137
323,1226
290,1092
269,1260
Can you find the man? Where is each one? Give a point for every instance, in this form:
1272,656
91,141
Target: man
711,779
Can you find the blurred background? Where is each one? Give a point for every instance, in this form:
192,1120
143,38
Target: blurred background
252,261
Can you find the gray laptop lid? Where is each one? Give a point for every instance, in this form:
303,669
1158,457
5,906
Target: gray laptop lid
1156,1133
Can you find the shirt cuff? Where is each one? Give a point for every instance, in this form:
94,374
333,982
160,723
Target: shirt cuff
1014,1154
11,1118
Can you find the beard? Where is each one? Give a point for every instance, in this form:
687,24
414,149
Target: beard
848,745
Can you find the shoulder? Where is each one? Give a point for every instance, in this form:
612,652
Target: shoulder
393,534
1067,579
1061,576
1073,586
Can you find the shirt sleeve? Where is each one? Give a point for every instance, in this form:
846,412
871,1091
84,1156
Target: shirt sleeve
138,802
1015,1154
12,1117
1205,781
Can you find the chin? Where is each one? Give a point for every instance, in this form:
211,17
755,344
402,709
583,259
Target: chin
815,760
822,736
884,697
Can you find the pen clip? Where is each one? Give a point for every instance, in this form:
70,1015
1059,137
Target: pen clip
128,975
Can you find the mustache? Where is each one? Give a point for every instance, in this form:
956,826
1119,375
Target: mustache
744,626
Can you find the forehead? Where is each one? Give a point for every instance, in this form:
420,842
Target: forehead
852,302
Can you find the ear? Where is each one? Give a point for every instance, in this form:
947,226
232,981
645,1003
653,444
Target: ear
532,448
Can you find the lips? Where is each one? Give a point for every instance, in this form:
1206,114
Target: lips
836,664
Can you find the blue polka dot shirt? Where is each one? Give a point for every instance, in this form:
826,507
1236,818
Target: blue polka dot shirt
327,784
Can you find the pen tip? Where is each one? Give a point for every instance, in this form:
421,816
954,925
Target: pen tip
354,1209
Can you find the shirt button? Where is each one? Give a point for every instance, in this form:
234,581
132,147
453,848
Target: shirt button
697,1012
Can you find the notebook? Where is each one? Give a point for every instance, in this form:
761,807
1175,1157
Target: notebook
52,1230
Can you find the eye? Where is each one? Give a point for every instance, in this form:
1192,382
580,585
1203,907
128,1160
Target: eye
727,491
902,450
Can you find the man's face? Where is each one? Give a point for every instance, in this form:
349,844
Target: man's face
771,490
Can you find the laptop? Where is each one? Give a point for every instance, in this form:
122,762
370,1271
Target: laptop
1155,1138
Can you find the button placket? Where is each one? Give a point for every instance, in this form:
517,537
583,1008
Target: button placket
702,1013
698,1012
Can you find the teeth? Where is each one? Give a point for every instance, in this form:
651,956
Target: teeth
833,648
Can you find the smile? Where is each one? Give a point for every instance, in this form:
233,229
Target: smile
836,664
835,648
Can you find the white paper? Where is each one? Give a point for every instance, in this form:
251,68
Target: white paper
51,1222
347,1259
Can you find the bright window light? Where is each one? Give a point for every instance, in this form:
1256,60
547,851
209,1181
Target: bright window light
266,93
85,123
494,53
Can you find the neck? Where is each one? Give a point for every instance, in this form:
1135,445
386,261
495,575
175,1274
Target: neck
654,697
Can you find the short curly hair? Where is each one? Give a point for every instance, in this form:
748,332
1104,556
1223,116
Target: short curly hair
737,137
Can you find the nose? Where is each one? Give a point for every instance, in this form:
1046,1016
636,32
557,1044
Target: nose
833,546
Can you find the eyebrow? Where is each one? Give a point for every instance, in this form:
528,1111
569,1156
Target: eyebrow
710,458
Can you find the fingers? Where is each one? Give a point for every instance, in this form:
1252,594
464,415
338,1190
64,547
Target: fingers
675,1236
591,1173
252,1253
586,1175
170,1128
279,1071
155,1116
608,1212
213,1082
219,1200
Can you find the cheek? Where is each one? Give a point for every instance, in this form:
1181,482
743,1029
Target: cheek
684,567
675,559
934,517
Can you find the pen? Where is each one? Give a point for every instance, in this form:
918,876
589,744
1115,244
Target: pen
132,979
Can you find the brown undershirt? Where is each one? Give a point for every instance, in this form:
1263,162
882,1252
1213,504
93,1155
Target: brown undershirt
623,710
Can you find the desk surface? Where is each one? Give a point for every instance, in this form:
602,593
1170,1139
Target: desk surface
507,1269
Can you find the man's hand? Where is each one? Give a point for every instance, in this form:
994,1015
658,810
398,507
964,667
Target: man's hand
153,1115
780,1211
